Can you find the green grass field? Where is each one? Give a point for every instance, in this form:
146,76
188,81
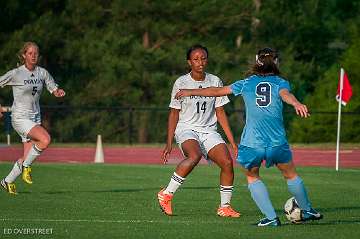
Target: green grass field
119,201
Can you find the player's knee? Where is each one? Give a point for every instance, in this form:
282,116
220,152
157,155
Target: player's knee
228,164
45,141
289,175
252,178
194,159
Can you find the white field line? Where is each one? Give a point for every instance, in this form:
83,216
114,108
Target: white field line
138,221
113,221
325,151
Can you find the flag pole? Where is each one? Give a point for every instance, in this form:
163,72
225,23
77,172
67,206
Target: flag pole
339,119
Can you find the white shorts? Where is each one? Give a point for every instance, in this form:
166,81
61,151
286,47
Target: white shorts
23,127
207,141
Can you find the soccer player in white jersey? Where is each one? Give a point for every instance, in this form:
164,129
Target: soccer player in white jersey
264,137
27,83
193,122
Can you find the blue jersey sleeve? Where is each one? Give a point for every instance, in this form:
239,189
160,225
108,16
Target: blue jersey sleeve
284,85
237,87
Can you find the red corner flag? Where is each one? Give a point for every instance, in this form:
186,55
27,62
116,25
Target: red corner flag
345,87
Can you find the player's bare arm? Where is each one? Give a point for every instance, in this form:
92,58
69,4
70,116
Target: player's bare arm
172,122
223,121
4,109
289,98
210,91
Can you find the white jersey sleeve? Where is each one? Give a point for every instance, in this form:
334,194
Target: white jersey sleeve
10,78
49,80
174,103
223,100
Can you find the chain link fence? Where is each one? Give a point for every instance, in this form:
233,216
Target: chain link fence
141,125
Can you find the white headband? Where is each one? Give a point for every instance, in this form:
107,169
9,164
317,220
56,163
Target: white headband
260,63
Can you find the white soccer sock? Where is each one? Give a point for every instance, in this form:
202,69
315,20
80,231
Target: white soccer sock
225,195
14,173
174,184
34,152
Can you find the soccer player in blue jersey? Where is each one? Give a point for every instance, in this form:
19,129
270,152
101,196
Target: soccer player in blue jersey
263,137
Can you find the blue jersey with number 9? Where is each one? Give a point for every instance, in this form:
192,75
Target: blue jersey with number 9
264,120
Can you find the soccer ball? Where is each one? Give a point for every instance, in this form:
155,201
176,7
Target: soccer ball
292,210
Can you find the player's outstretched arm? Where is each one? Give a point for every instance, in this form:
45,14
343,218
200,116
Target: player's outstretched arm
210,91
289,98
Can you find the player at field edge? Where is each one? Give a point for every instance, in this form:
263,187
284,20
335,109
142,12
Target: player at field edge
263,137
27,83
193,123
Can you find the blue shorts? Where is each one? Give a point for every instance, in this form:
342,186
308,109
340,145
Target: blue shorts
253,157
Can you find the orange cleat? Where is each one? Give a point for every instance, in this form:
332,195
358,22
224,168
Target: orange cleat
165,202
227,212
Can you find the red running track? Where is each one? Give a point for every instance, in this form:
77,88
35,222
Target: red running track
151,155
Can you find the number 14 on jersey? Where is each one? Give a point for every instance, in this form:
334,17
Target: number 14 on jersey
201,107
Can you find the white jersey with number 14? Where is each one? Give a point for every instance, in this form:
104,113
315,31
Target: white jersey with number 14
197,112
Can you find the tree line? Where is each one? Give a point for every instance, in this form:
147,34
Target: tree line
127,54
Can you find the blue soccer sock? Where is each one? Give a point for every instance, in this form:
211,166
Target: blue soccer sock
297,189
261,197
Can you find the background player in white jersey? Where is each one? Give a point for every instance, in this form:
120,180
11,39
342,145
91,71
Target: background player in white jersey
27,83
193,122
264,136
